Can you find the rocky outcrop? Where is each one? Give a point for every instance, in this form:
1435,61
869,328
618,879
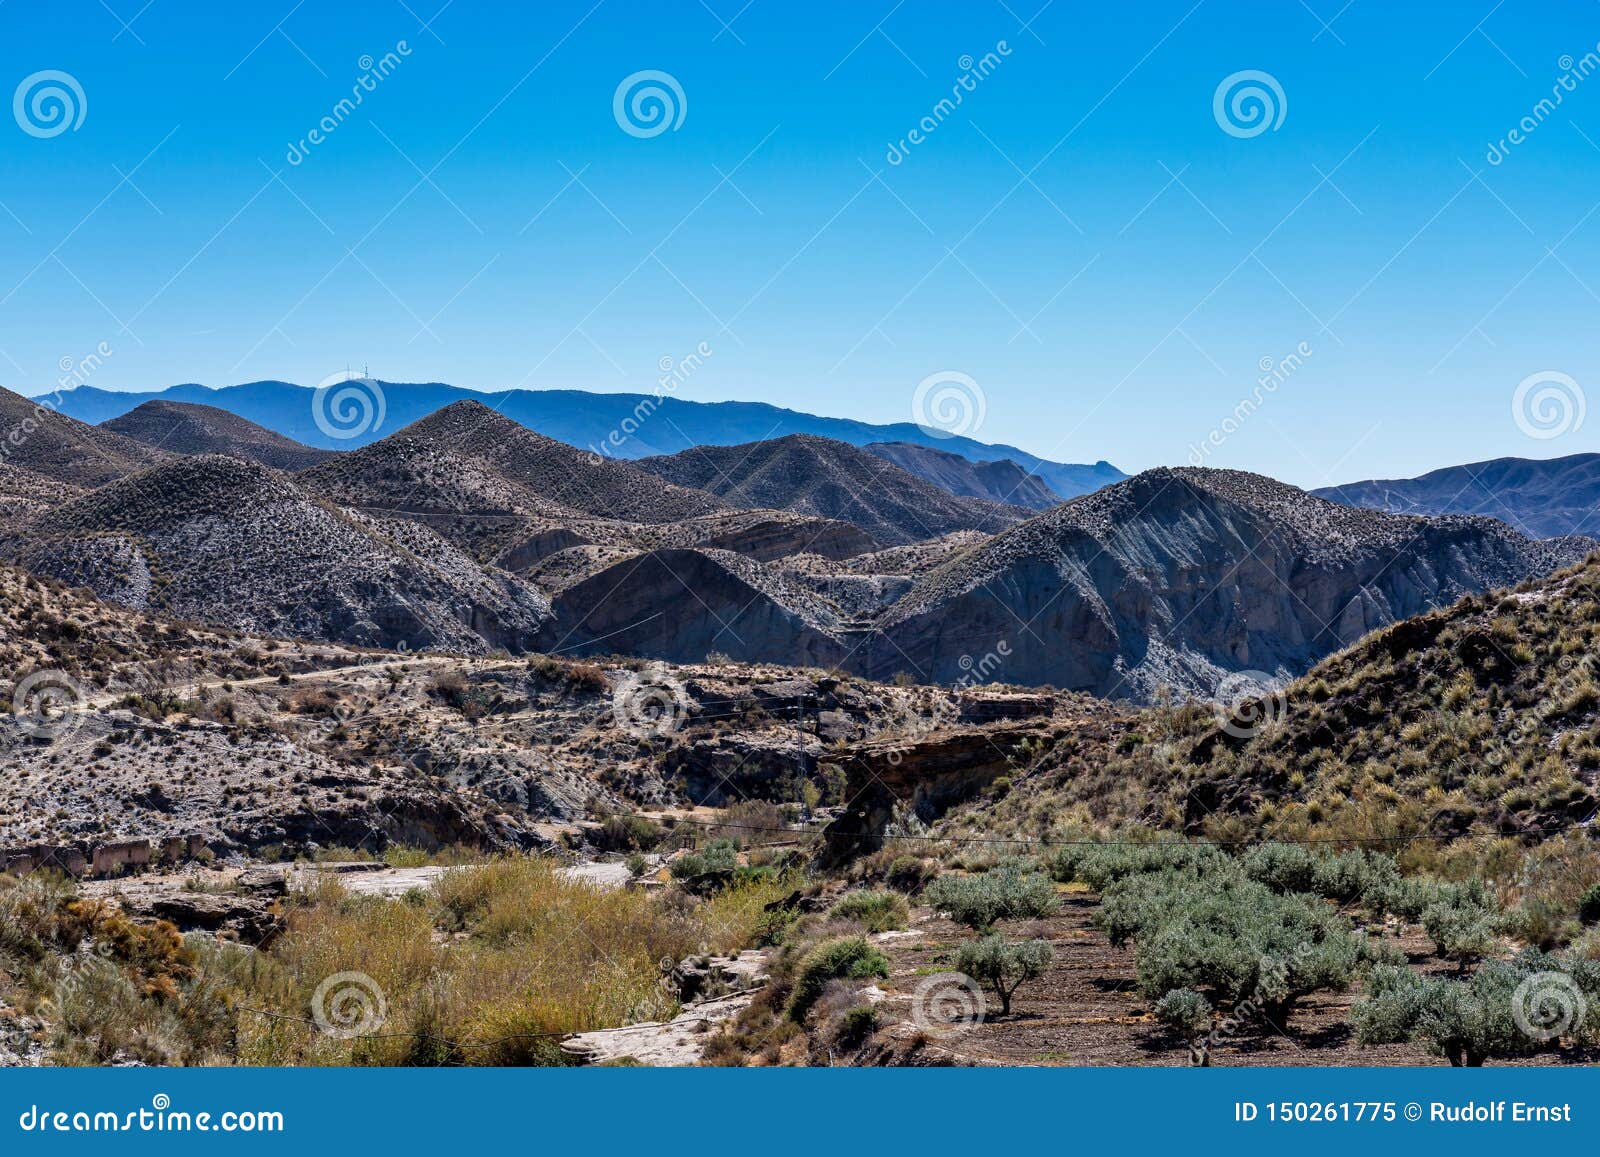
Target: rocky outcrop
923,775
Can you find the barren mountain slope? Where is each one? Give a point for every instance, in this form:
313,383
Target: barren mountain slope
1001,480
230,542
467,457
681,605
834,480
33,435
1178,577
1476,721
187,428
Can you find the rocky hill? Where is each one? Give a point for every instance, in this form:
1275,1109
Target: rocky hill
1542,499
467,458
1477,721
1178,577
831,479
682,605
34,436
230,542
187,428
1001,480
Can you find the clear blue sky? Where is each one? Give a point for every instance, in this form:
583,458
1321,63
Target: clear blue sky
1115,304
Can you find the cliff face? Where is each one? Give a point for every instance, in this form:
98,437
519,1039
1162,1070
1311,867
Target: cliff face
1178,577
681,605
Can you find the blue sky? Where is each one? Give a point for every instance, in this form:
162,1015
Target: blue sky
1080,237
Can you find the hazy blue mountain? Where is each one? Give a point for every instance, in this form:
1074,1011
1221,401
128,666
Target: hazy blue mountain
615,425
1543,498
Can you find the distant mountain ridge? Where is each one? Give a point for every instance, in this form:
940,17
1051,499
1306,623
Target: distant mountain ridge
606,424
1543,498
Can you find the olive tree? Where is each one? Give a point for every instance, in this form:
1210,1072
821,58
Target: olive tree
1004,965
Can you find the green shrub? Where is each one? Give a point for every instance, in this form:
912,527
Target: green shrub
1476,1019
1188,1014
1589,905
1343,876
910,874
848,957
1460,932
1004,965
1232,936
628,834
717,856
1281,867
874,911
1009,891
1539,923
1100,865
